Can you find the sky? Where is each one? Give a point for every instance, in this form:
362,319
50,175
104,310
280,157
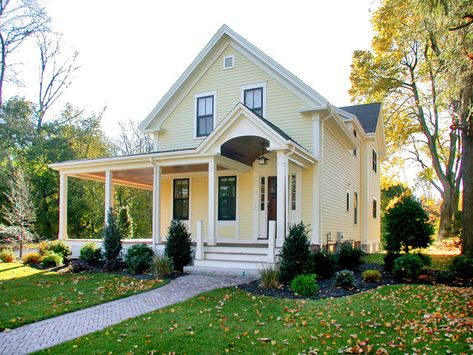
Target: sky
131,52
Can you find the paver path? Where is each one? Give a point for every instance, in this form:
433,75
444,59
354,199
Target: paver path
49,332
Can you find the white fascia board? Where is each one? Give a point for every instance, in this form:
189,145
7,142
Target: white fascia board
263,60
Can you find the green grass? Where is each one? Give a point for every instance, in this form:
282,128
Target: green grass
439,261
399,319
28,294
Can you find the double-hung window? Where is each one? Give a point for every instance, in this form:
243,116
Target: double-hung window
375,161
253,99
205,115
227,198
181,199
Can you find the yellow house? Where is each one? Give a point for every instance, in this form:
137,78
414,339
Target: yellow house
243,148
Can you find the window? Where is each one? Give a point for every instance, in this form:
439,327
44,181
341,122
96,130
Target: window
348,201
181,199
229,62
375,208
227,198
253,99
262,193
293,192
205,115
375,162
354,150
355,207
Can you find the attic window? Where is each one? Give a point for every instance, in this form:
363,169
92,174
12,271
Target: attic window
229,62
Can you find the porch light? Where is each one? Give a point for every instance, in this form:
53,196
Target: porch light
262,159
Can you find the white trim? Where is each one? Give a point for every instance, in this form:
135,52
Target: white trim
262,85
196,97
225,59
156,219
63,206
109,198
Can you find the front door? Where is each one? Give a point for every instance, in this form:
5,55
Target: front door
272,197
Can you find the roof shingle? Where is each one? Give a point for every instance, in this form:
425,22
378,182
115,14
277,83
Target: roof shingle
367,114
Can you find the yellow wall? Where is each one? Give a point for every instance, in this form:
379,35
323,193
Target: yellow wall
282,105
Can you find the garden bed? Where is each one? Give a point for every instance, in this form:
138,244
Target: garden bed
328,290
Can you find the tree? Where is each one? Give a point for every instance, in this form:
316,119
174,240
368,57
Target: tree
405,71
132,140
178,245
20,215
112,245
125,222
453,19
19,20
295,253
406,225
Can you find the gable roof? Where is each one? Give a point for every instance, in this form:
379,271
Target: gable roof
309,95
367,114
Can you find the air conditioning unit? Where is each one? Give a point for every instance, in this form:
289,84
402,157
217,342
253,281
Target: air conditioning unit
340,237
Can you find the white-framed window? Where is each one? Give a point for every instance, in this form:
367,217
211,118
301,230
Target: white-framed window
374,161
253,96
229,62
205,107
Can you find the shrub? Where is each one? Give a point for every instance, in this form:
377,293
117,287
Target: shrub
349,257
162,266
426,259
112,245
61,248
178,245
407,266
406,225
43,247
139,259
7,256
91,254
295,253
462,266
305,285
389,261
31,258
323,264
445,277
269,276
371,276
125,223
51,259
345,279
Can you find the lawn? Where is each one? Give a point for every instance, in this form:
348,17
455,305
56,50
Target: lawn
439,261
28,294
390,319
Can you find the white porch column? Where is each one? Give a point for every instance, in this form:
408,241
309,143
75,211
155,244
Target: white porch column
212,202
281,197
156,205
199,250
317,139
271,242
108,193
62,206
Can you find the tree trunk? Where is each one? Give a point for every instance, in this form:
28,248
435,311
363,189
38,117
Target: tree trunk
467,155
447,210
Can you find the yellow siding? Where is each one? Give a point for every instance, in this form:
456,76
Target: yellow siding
340,172
373,192
166,206
306,196
226,232
199,204
245,200
282,105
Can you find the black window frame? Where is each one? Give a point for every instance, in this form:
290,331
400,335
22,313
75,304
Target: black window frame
227,201
355,207
257,110
375,208
374,158
348,201
179,215
205,117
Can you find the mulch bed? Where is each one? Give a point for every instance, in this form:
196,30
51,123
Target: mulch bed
328,290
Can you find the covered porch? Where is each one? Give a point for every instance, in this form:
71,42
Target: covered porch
237,191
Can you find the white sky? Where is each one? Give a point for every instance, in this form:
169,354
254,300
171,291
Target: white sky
131,52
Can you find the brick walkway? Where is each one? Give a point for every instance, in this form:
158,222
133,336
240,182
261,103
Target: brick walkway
49,332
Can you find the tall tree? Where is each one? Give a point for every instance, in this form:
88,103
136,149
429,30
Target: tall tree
19,20
20,213
405,71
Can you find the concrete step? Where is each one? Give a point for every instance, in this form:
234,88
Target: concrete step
236,249
247,274
244,265
236,256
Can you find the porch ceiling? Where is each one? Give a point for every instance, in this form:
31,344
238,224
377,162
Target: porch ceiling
143,178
